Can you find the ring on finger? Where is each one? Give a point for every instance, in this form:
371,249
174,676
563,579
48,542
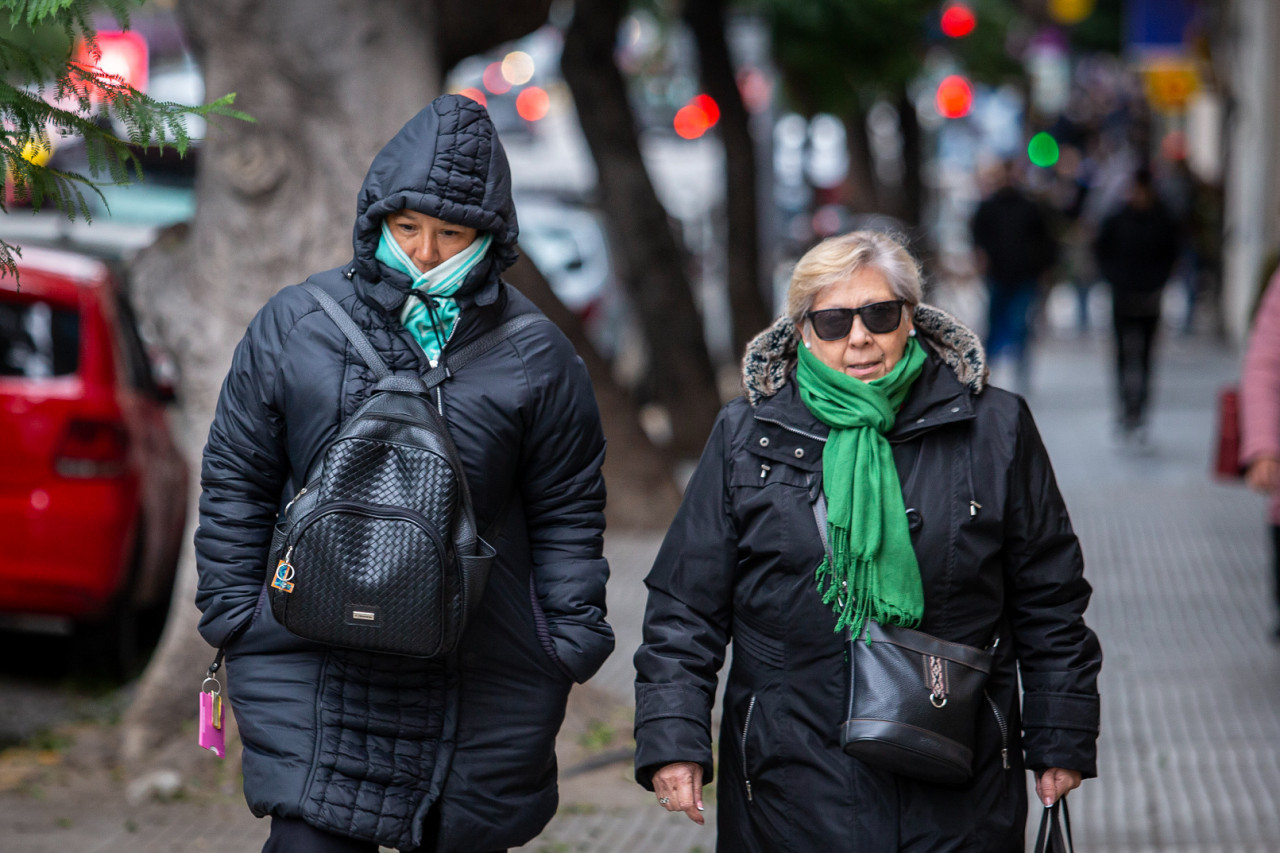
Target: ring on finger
662,801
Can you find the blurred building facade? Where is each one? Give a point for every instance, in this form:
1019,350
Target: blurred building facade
1248,48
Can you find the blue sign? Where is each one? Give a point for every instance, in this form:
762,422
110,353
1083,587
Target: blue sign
1157,24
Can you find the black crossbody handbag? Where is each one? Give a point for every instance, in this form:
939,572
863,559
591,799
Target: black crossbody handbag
913,698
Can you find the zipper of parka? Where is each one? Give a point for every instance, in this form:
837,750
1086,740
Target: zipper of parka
1004,730
792,429
746,727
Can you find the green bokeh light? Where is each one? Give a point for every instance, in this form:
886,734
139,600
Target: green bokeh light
1043,150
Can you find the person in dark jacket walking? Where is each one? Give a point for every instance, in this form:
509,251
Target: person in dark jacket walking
1136,249
976,543
1015,247
348,750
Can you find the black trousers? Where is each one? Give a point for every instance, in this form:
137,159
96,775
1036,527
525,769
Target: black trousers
289,835
1135,340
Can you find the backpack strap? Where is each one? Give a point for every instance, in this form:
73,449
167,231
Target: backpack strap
387,381
349,328
455,361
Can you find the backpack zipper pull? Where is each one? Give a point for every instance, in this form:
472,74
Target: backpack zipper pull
974,506
764,471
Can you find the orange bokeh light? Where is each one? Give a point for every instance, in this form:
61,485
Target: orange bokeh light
532,103
476,95
954,97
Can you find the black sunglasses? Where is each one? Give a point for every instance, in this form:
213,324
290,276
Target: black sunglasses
832,324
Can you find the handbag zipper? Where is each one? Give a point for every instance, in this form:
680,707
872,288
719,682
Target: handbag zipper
746,727
1004,730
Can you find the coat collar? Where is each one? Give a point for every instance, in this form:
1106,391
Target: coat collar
770,358
938,397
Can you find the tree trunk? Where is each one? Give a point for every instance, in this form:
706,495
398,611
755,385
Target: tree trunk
747,307
680,372
912,159
642,491
861,188
328,82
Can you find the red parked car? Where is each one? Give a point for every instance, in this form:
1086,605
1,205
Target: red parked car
93,490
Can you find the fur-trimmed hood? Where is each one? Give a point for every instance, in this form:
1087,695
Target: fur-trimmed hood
771,355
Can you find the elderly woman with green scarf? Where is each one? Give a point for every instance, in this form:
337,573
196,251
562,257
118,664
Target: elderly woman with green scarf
943,516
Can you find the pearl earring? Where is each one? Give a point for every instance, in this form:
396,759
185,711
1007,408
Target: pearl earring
808,345
912,333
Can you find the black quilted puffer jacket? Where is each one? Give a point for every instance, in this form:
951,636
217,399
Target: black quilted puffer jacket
410,754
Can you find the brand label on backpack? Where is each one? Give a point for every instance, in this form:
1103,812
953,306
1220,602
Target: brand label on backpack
364,615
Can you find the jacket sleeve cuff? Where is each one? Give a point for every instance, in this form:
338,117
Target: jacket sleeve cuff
1061,730
580,653
673,723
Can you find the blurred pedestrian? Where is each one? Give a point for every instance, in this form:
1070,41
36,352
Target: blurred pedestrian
349,750
869,478
1015,246
1136,248
1260,415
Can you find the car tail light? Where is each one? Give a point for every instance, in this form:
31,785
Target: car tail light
92,449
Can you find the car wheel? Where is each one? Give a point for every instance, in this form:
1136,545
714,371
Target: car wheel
109,644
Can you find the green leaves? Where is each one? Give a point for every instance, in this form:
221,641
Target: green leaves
49,90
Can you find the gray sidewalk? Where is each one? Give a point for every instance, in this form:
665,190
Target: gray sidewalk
1190,749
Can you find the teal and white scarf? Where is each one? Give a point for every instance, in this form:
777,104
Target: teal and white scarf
432,326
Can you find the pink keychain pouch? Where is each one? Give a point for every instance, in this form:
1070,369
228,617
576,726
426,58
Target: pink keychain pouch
213,736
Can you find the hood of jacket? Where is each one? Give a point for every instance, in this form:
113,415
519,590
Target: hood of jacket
770,358
446,162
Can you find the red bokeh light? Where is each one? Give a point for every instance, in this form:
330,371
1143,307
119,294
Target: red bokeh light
494,81
123,54
958,21
696,117
476,95
954,97
532,103
708,105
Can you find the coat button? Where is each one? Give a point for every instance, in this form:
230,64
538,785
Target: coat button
914,519
799,452
764,441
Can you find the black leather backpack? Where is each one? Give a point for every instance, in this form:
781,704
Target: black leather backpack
379,551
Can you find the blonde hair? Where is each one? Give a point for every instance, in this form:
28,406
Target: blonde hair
836,258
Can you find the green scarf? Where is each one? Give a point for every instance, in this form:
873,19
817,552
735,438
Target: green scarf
431,322
871,570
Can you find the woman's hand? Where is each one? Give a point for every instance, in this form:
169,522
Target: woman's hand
1056,782
679,789
1263,474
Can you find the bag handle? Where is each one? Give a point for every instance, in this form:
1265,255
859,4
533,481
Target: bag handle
1055,836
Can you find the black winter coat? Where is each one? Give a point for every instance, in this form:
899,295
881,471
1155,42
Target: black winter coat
442,756
1136,250
996,553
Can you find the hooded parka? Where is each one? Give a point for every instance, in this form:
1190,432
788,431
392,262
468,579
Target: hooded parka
997,557
452,755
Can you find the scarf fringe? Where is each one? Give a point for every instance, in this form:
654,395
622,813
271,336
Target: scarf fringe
852,611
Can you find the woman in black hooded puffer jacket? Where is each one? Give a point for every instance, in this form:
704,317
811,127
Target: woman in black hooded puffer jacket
996,558
348,750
